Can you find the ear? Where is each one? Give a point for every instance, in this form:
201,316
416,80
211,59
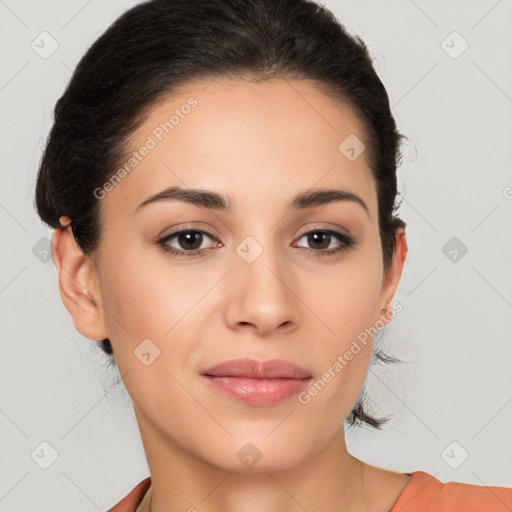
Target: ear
392,276
78,285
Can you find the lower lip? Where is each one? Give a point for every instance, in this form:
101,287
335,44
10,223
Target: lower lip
258,391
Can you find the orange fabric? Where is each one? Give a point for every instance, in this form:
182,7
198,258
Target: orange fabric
130,502
424,493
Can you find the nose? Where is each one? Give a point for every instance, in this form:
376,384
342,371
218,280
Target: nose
263,296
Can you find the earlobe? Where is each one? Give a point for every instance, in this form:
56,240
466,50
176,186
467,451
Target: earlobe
78,285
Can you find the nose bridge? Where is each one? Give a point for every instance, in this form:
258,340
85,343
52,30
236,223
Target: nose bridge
262,292
264,267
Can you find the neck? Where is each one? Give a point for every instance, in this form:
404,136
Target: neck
331,480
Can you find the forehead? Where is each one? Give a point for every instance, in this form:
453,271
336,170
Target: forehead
248,141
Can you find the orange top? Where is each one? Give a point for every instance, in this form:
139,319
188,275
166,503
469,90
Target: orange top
424,493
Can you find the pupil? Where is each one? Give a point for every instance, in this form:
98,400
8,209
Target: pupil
314,238
189,239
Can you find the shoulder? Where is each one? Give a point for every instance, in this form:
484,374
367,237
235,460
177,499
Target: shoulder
425,493
132,500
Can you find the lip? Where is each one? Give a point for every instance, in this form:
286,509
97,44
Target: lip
252,369
258,382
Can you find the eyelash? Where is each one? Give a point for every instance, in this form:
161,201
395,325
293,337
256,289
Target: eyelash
347,243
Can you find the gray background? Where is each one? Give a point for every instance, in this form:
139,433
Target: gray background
456,323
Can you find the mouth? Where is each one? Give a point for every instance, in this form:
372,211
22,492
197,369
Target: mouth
258,383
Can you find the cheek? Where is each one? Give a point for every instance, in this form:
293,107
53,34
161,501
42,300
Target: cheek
143,299
151,301
346,299
347,296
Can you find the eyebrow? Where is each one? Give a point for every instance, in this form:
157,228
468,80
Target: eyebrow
209,199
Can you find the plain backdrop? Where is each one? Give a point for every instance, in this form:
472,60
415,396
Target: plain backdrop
447,66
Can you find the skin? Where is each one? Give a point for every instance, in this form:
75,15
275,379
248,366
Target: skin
260,144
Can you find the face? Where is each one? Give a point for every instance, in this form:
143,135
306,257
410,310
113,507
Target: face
259,280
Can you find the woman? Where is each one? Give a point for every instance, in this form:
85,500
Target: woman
221,177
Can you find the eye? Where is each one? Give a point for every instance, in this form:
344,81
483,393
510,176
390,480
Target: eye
189,242
322,241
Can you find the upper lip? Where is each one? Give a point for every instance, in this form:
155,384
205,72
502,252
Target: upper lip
252,369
